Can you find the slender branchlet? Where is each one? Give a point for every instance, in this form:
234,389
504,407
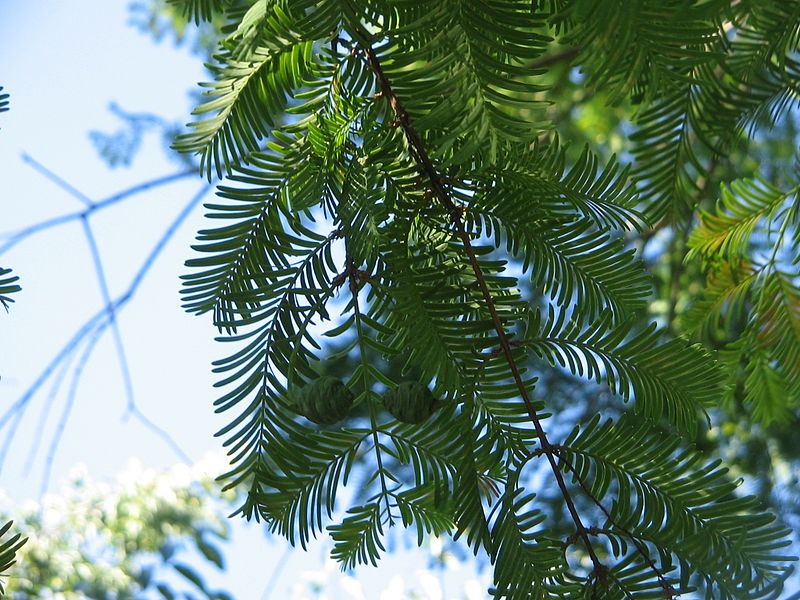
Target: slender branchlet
439,191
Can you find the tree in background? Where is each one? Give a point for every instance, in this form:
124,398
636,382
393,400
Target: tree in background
146,536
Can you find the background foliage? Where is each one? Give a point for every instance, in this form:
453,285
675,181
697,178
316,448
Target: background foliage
145,536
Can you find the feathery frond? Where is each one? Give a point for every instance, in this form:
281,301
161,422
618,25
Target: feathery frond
667,498
753,298
744,205
672,380
8,285
248,98
528,562
202,10
390,189
642,47
8,551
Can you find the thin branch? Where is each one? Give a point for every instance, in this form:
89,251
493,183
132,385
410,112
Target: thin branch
565,55
677,249
640,547
100,321
16,237
17,409
48,174
677,253
102,281
47,407
9,438
162,433
276,572
127,380
425,163
67,410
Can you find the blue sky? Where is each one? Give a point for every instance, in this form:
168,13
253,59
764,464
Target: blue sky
65,70
64,64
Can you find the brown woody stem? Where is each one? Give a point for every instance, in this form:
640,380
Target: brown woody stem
425,163
640,547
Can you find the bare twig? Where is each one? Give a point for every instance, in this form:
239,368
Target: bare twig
14,238
276,572
17,409
66,411
60,182
96,325
47,407
102,281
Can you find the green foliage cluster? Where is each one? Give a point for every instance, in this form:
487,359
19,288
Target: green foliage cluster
8,282
395,182
8,285
8,551
751,305
127,540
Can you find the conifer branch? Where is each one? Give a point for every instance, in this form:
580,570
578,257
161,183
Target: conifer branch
669,591
353,276
423,160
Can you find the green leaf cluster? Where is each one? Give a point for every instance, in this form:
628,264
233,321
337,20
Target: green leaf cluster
8,551
147,535
393,186
751,306
8,285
